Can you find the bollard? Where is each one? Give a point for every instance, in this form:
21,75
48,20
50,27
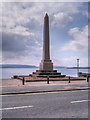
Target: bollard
87,78
47,79
69,80
23,80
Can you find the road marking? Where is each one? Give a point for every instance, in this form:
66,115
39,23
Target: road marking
79,101
45,93
21,107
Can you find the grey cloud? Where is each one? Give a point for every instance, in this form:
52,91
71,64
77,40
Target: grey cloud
61,19
79,46
28,15
16,46
22,13
13,43
33,25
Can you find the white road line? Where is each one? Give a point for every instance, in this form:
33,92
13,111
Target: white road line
21,107
79,101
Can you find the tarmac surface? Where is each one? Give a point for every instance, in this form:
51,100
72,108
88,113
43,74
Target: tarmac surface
46,105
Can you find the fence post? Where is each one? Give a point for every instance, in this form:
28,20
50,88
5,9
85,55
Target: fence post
23,81
87,78
47,79
69,81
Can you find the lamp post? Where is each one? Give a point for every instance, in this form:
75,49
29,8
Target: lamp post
77,66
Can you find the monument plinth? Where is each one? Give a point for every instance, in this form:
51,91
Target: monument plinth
46,65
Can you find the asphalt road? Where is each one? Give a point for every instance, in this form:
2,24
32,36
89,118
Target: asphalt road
48,105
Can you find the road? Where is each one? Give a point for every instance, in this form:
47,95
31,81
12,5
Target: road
72,104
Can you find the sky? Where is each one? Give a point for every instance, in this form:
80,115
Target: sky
22,32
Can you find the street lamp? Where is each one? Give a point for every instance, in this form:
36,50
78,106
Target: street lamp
77,66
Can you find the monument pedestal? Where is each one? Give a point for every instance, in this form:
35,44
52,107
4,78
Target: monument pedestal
46,65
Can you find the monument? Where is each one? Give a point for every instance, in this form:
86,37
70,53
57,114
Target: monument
46,65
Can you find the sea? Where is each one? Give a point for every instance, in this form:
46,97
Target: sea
10,72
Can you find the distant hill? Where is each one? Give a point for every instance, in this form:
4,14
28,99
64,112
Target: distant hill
23,66
17,66
60,67
33,66
78,67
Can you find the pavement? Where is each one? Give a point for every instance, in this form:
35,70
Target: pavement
14,86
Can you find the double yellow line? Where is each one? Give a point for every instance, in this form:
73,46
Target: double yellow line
42,93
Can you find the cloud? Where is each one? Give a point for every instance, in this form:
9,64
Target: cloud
22,27
61,19
70,61
79,41
25,17
25,13
15,46
19,30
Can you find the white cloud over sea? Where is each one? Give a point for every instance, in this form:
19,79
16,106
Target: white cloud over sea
79,41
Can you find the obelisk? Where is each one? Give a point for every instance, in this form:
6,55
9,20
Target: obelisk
46,63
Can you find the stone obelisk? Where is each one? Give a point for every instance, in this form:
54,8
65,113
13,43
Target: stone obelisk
46,63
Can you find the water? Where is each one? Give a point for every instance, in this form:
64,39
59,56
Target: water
10,72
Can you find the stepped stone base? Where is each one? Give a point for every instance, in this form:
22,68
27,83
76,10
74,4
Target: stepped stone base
45,73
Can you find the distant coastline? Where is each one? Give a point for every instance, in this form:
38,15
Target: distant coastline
78,67
17,66
33,66
23,66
